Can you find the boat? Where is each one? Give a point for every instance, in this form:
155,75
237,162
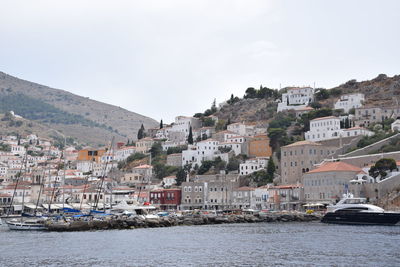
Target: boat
351,210
29,224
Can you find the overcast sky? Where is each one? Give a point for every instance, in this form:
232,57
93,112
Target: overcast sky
168,58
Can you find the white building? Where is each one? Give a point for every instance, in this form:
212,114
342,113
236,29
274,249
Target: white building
253,165
124,152
326,128
296,98
323,129
242,129
347,102
396,125
169,181
18,150
203,150
182,124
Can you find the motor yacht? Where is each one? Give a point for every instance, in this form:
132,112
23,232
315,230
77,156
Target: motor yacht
351,210
28,224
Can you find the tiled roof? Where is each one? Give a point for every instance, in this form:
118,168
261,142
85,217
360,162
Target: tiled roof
143,166
336,167
325,118
245,188
302,143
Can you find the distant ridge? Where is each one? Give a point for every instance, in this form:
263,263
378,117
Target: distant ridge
87,120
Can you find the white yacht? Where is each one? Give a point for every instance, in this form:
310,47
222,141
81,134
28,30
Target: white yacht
351,210
28,224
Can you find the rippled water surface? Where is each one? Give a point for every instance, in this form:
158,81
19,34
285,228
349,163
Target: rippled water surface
263,244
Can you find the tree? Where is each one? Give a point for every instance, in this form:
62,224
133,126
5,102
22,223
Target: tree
346,123
382,166
250,93
208,122
205,166
214,106
141,133
322,94
270,169
161,124
233,100
204,136
190,137
233,165
180,176
156,149
277,137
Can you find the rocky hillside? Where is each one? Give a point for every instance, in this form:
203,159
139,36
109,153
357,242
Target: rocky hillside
248,110
380,91
87,120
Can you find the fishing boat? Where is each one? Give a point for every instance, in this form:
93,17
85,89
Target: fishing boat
351,210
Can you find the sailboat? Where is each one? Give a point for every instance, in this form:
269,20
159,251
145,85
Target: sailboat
26,221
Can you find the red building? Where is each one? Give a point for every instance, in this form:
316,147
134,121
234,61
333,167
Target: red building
166,199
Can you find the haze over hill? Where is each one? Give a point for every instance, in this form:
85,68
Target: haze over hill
87,120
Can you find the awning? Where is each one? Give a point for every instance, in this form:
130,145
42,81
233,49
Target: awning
78,206
56,206
32,206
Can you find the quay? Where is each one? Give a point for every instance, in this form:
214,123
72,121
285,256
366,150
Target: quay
124,222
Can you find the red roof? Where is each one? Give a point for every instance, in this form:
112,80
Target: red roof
336,166
245,188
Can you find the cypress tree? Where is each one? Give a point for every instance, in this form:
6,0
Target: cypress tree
190,137
141,133
161,124
270,169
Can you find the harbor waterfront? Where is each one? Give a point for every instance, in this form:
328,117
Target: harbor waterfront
258,244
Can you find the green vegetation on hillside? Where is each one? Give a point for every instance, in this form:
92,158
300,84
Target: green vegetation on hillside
35,109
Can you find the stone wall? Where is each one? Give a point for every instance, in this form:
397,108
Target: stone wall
371,148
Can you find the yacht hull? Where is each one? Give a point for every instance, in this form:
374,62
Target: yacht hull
362,218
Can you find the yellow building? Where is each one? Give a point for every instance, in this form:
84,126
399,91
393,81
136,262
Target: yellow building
90,154
259,146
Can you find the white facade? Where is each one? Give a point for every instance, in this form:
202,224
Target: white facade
242,129
395,125
182,124
235,147
204,150
296,98
323,129
253,165
18,150
169,181
124,153
329,128
347,102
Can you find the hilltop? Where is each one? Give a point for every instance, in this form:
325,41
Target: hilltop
380,91
87,120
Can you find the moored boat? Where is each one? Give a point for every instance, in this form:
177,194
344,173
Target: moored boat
350,210
29,224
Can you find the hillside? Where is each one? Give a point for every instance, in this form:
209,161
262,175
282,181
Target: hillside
380,91
87,120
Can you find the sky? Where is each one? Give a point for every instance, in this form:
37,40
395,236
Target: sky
164,58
